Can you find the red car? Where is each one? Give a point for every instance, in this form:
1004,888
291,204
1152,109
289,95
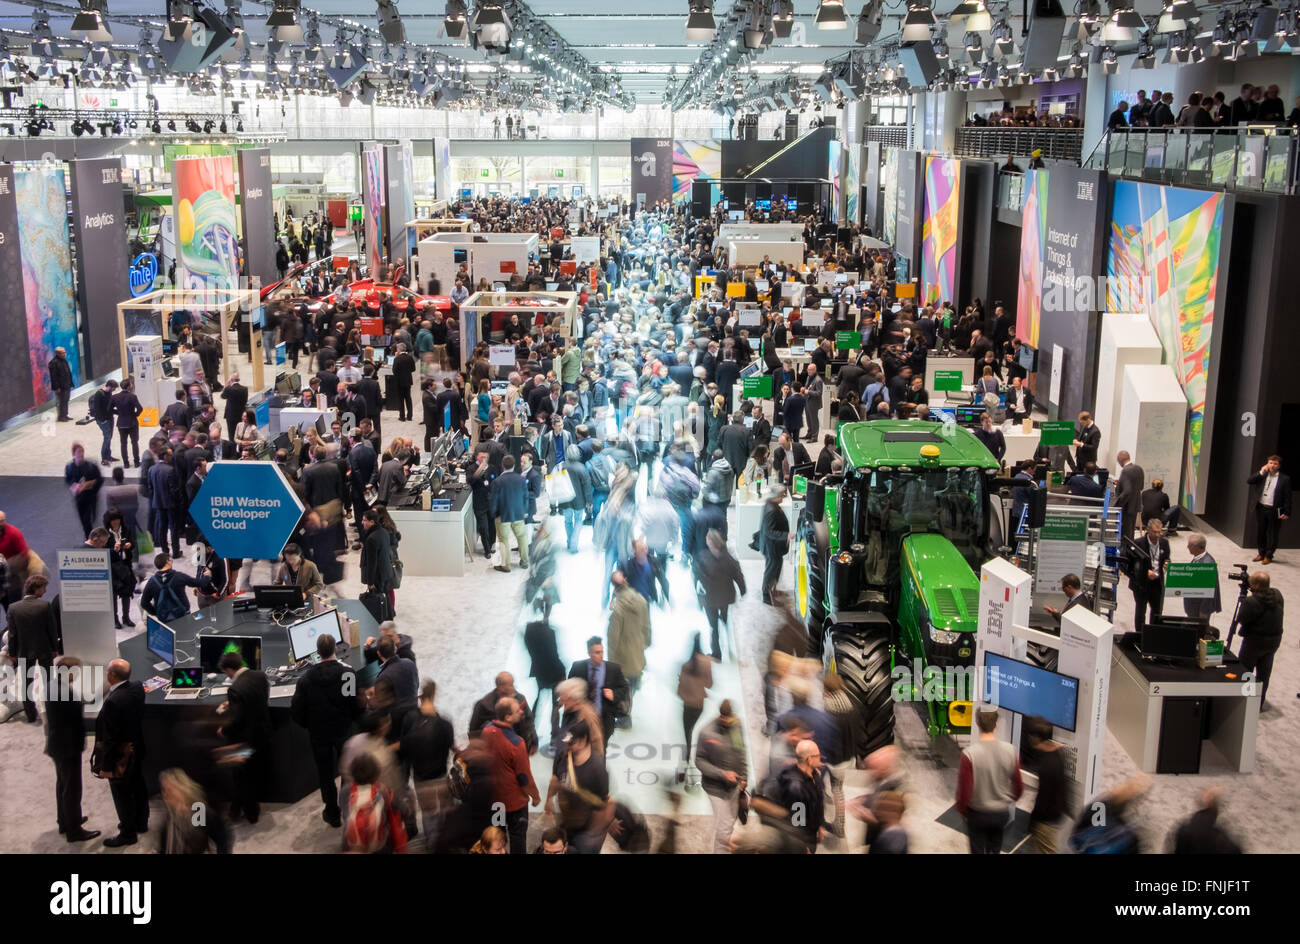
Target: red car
371,295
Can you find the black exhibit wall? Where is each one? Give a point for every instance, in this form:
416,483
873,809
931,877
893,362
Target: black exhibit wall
99,229
907,229
871,186
1257,397
256,215
15,358
652,169
978,193
1078,210
1004,265
805,158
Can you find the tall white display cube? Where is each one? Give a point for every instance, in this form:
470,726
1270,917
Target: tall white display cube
1125,340
1152,423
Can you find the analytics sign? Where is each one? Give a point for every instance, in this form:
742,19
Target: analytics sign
246,509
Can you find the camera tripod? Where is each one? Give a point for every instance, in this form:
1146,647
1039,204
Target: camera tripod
1243,589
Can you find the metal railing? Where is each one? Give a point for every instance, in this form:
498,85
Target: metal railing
1262,158
890,135
1057,144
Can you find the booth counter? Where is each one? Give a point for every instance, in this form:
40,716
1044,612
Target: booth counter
436,543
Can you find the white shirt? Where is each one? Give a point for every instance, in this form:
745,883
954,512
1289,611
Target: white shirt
1270,485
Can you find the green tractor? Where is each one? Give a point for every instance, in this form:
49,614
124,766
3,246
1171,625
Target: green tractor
886,569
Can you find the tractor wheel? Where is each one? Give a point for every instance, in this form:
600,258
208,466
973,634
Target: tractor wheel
812,554
862,662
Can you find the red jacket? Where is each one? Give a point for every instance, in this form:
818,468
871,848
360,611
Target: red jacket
512,777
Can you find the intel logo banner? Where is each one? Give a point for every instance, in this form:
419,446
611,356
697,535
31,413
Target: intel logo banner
141,274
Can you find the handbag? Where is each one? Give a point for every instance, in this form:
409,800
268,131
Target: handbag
576,806
143,541
742,807
376,602
559,486
397,574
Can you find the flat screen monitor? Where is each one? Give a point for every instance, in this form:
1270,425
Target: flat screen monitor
1170,638
943,415
1028,357
810,344
1028,690
212,648
188,679
160,639
841,278
322,429
303,634
275,597
827,303
552,286
736,216
791,205
460,256
764,205
762,285
751,369
969,415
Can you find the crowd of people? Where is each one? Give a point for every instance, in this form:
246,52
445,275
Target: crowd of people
1255,104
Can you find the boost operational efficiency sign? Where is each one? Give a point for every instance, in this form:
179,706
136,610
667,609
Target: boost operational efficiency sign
246,509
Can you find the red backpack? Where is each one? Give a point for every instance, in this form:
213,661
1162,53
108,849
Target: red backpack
373,823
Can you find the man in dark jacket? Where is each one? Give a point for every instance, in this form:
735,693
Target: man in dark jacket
546,668
508,500
367,388
119,743
719,576
450,405
1261,630
576,509
247,724
403,378
376,554
1149,556
736,443
236,396
65,741
82,476
607,687
1272,506
1128,491
33,636
401,673
792,411
724,770
1201,834
101,411
326,704
485,710
800,783
61,381
774,541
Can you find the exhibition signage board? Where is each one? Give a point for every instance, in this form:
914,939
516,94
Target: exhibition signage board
947,380
1056,432
1192,580
1062,549
16,389
99,228
760,386
847,340
203,193
501,355
246,509
256,212
372,327
652,169
86,604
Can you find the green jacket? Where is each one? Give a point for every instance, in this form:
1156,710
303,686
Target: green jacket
570,365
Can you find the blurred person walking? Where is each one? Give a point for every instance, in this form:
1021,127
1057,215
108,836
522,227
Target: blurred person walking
720,757
988,785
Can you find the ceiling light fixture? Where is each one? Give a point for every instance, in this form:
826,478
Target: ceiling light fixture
831,16
918,21
700,24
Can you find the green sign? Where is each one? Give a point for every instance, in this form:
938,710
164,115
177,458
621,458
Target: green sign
355,212
800,484
1192,580
947,380
758,386
1056,433
559,172
485,172
1063,527
847,340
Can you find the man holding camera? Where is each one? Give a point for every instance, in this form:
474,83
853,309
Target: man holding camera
1260,620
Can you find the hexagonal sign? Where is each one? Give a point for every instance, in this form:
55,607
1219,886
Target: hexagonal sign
246,509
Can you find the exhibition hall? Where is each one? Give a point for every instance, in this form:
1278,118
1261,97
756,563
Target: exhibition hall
719,427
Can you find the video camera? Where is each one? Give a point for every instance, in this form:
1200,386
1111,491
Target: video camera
1240,575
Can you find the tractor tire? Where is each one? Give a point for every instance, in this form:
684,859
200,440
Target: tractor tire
862,662
813,540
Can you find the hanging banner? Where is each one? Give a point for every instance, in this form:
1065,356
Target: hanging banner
99,223
203,190
652,170
372,198
17,365
397,175
41,200
444,186
256,213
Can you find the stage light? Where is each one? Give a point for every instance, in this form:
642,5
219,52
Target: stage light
782,18
830,15
390,22
43,43
976,15
917,23
283,21
869,22
90,22
1110,61
1176,16
1123,24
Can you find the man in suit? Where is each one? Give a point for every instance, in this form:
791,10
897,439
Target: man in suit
65,740
814,388
1272,506
773,541
1128,491
1150,555
1087,437
1020,493
736,443
33,637
1201,607
236,396
792,410
321,705
449,405
508,497
787,456
1072,587
485,710
367,388
248,724
61,381
1019,400
119,733
606,686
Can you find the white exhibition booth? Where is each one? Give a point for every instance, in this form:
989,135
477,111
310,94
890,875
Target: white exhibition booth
553,305
492,256
1125,340
750,252
760,232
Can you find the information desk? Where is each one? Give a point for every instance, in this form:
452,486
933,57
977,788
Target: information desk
1160,713
434,543
181,733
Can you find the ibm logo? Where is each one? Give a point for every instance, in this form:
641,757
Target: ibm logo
111,175
264,160
1086,191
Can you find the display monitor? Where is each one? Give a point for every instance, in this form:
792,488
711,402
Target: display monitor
827,303
763,285
552,286
969,415
764,205
187,679
841,278
753,368
276,597
212,648
303,634
791,205
736,216
1029,690
459,256
160,639
1170,638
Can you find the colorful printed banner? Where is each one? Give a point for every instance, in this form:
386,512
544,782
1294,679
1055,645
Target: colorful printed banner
1033,233
203,189
939,230
372,173
41,198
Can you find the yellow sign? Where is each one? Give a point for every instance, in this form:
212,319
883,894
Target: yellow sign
905,290
149,416
801,579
